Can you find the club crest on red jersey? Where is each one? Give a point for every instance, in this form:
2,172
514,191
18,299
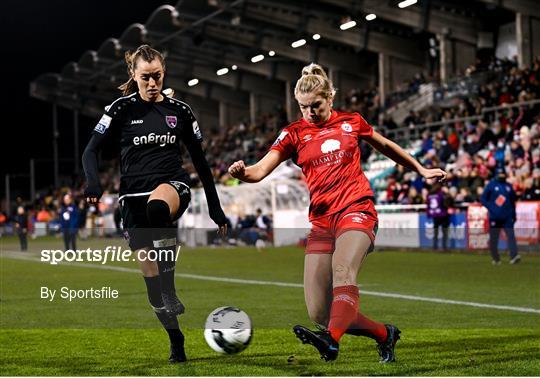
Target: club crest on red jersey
346,127
171,121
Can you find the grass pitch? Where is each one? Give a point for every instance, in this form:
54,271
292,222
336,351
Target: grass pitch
413,290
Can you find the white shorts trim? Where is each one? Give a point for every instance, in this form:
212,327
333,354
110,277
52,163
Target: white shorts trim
134,195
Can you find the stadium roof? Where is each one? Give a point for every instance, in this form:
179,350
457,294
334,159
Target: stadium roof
201,36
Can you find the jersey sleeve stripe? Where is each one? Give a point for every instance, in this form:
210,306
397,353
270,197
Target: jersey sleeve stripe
120,98
183,103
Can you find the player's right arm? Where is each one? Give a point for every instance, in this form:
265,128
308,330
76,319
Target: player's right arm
93,190
259,170
282,149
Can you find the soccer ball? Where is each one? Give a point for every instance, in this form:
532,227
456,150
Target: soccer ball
228,330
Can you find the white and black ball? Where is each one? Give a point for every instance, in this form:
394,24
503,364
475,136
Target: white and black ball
228,330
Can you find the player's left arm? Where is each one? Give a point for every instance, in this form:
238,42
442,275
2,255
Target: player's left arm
192,138
400,156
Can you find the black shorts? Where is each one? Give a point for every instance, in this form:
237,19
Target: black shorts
137,229
442,221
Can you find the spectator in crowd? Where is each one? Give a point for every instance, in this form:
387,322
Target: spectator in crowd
19,202
464,196
532,191
262,222
500,200
413,197
3,220
389,123
438,203
412,119
264,226
69,222
453,141
247,232
21,226
83,212
427,142
43,215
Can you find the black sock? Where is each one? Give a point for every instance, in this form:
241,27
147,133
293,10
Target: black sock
169,322
164,241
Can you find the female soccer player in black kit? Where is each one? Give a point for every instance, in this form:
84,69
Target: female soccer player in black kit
154,188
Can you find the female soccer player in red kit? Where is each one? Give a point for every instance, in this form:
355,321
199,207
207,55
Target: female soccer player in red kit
324,143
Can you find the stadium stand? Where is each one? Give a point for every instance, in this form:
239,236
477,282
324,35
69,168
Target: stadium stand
466,112
497,123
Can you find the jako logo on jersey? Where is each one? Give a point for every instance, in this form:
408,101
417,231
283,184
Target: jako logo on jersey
152,138
280,138
346,127
171,121
136,122
330,145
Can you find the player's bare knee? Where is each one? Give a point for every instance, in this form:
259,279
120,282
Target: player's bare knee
149,271
341,275
148,268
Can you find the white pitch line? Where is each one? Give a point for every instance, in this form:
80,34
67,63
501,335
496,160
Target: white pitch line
450,301
18,256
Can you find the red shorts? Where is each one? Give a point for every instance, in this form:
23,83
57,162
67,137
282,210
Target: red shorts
360,215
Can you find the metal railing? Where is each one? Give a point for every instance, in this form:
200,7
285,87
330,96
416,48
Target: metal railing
436,92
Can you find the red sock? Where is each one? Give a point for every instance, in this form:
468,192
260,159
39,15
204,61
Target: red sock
343,311
363,326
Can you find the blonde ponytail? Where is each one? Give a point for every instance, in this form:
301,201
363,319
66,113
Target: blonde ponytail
314,80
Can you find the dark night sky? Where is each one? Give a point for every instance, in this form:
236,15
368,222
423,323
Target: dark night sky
39,37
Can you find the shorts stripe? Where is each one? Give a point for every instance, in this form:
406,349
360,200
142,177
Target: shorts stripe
165,243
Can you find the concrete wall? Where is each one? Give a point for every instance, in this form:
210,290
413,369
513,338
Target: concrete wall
401,70
506,41
206,111
237,113
349,82
269,105
208,122
464,56
535,37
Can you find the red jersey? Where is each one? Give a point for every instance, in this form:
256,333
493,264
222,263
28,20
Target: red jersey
329,155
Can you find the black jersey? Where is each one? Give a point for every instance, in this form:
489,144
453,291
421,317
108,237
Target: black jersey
150,136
